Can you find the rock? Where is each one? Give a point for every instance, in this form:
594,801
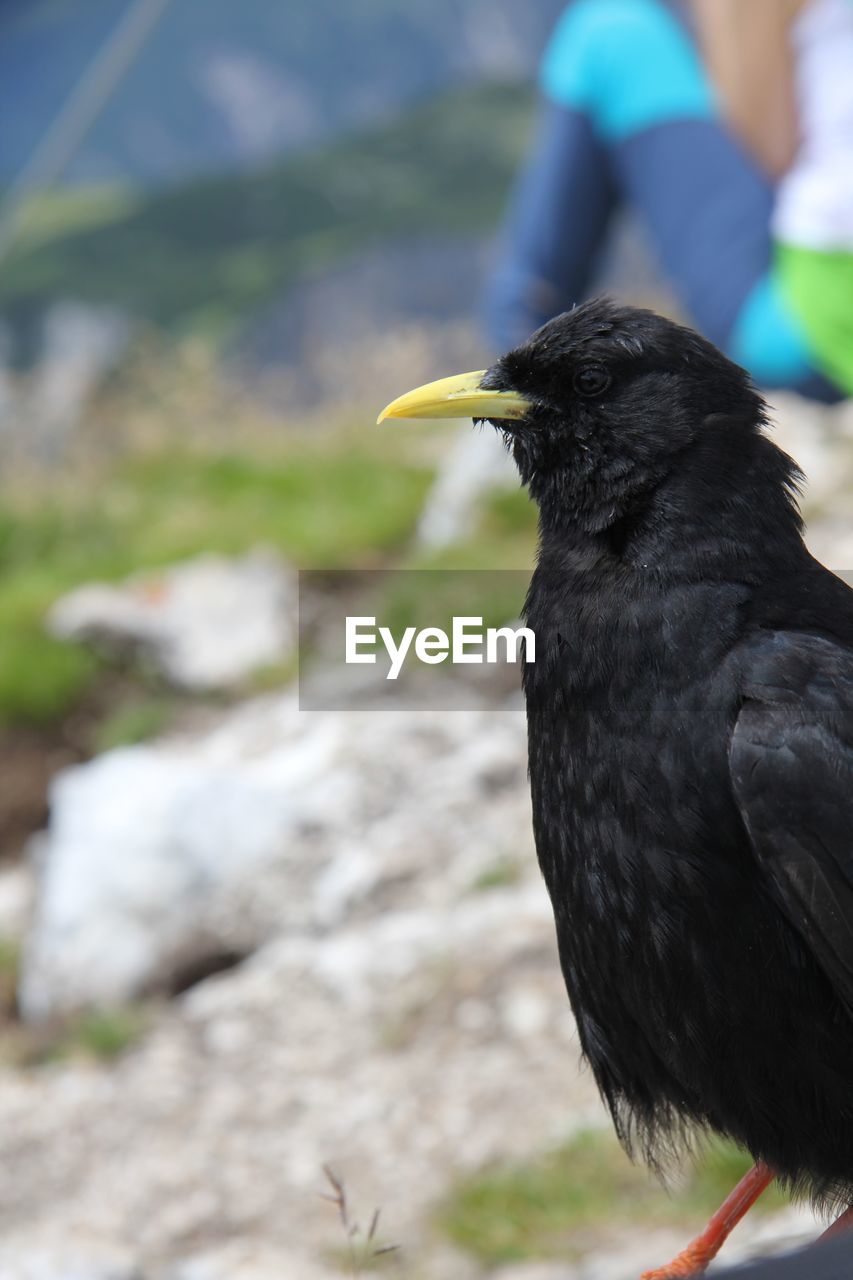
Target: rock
250,1260
201,1150
137,839
477,465
205,624
66,1263
537,1271
161,855
16,901
820,439
70,349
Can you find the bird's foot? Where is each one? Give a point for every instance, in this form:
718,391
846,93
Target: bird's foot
692,1261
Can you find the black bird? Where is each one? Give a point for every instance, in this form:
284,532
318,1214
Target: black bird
690,716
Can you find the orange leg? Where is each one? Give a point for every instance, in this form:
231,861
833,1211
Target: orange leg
844,1223
695,1258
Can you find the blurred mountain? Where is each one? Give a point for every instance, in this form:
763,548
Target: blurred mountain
221,85
283,180
209,254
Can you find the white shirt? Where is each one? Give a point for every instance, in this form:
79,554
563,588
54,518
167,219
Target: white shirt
814,202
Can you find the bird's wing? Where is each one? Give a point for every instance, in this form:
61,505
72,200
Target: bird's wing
791,760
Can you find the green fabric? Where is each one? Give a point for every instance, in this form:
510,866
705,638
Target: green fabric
818,286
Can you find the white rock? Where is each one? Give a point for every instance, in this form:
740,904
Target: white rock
206,624
16,894
137,839
66,1264
160,855
251,1261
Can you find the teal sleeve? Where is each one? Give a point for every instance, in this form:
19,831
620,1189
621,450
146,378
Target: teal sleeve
629,64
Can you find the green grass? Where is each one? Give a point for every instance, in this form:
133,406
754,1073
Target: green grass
10,968
205,254
361,1258
97,1034
505,537
69,210
40,678
106,1033
558,1205
341,499
500,874
328,510
317,506
134,721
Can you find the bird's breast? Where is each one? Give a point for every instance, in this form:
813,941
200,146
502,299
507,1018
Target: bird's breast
630,712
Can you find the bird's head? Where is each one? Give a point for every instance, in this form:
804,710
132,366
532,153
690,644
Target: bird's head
597,406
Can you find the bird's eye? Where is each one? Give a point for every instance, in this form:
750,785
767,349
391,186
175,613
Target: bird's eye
591,380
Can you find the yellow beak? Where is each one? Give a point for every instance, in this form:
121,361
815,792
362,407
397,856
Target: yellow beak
457,397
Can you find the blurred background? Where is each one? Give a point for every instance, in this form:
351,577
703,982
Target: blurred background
240,942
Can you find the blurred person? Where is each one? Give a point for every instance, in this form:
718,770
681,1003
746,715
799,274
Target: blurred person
728,127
